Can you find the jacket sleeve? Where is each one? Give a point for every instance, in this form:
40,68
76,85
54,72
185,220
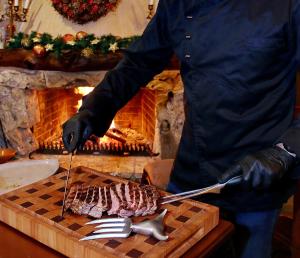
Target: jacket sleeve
145,58
296,24
291,138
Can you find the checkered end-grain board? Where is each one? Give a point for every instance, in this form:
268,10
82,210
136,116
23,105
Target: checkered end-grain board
35,210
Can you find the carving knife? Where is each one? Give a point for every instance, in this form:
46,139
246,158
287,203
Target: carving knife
67,181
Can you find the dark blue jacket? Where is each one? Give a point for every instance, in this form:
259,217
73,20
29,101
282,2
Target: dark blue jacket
238,63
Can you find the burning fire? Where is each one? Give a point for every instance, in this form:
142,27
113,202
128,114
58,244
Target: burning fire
84,91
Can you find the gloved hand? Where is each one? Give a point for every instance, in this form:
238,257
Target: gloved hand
261,169
77,130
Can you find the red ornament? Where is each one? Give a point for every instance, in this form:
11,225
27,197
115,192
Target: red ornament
39,50
109,6
70,13
65,8
81,34
68,37
94,9
83,6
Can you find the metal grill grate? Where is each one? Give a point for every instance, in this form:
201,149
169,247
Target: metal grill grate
111,148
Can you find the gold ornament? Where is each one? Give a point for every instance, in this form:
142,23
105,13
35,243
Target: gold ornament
71,43
25,42
81,35
68,37
39,50
36,39
87,52
38,35
113,47
95,41
49,47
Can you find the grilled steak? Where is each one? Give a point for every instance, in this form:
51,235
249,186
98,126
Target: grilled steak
115,201
125,210
142,203
97,210
124,200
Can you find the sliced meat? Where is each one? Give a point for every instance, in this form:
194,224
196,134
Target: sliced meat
89,202
115,201
125,209
97,210
124,200
77,203
148,202
153,196
71,195
137,200
142,203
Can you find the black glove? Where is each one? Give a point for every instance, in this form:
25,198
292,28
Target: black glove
77,130
261,169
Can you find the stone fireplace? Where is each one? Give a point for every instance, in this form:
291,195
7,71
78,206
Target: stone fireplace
34,105
55,106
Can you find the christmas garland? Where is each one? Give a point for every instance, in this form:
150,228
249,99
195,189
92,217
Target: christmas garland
83,11
87,44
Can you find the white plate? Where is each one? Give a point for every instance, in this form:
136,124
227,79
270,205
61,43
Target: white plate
16,174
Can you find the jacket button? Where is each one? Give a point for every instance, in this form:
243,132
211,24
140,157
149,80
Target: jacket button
187,56
189,17
188,36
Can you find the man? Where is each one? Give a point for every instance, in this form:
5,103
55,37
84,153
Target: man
238,64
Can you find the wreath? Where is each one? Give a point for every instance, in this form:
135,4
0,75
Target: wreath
83,11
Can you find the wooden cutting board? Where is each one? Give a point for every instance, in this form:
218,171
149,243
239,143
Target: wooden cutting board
35,210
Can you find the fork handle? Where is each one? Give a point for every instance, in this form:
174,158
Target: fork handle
147,228
211,189
234,180
214,189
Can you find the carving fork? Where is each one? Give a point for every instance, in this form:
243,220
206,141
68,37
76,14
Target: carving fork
122,227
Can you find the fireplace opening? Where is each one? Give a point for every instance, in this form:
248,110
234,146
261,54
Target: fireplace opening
131,133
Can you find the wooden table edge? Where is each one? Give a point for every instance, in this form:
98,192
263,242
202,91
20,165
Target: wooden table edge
204,248
212,241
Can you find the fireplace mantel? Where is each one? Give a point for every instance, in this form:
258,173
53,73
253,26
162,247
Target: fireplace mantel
71,61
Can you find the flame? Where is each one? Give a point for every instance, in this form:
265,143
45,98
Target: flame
82,91
112,125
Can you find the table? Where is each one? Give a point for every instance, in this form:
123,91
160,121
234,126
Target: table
14,244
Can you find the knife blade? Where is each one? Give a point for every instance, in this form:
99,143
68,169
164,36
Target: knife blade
67,181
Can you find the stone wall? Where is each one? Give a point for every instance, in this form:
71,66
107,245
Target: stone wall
169,113
19,107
